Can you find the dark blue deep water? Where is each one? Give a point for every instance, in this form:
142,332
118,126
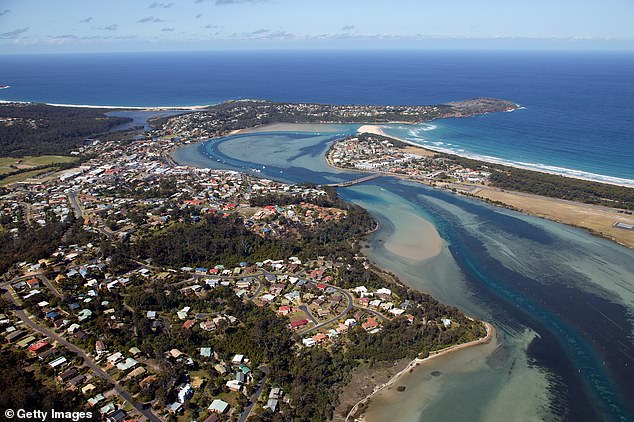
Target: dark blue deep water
578,114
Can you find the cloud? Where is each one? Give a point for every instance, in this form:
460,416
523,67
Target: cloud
167,29
280,35
150,19
14,34
64,37
112,27
4,12
157,5
264,34
348,28
223,2
86,20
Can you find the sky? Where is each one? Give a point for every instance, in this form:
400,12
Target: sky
63,26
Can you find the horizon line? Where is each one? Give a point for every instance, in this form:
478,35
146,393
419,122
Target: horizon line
342,49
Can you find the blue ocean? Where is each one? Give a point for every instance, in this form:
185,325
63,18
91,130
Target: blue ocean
577,107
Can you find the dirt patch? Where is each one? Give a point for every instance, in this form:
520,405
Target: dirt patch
598,219
418,151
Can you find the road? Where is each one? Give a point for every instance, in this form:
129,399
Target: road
254,398
350,306
20,313
49,285
41,277
259,289
79,213
72,198
310,316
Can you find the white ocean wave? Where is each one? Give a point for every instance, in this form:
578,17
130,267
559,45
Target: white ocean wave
440,146
419,130
544,168
191,107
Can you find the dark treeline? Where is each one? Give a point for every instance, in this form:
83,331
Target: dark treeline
23,389
211,241
31,242
565,188
52,167
40,129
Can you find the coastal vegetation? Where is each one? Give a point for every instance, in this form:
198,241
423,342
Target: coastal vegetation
552,185
217,239
39,129
22,388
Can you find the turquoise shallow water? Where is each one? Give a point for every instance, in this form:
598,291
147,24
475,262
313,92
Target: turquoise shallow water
561,299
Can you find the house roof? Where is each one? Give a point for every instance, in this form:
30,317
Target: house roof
218,406
299,323
36,347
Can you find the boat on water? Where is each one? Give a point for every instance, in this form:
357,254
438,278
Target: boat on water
5,86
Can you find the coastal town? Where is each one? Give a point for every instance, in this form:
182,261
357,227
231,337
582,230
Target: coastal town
131,338
377,153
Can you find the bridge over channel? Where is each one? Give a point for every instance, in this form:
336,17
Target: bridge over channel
355,181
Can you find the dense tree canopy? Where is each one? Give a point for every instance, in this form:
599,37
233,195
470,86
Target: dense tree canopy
37,129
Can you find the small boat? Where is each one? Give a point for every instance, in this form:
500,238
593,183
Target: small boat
5,86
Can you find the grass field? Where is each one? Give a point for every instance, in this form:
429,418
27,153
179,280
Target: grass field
10,165
14,178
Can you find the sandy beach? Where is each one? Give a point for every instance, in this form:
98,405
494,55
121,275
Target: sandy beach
114,107
417,363
377,130
292,127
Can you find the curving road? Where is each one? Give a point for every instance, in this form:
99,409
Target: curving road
350,306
